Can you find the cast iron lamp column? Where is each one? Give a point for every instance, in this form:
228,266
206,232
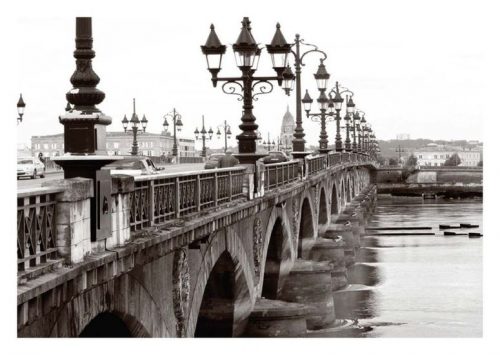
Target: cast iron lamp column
20,108
360,128
227,133
203,136
177,123
321,77
247,54
135,123
337,104
298,142
347,118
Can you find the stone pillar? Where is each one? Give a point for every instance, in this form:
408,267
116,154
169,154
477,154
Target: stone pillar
73,218
250,181
122,187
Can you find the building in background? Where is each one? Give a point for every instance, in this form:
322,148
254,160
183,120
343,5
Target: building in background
120,143
436,155
287,129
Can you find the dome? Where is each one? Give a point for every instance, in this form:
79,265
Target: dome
288,119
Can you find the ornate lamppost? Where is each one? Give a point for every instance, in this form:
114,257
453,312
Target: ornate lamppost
298,142
203,133
348,113
337,101
361,133
268,145
177,123
20,108
135,124
247,54
321,77
227,133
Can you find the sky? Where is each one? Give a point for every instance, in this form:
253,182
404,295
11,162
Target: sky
415,67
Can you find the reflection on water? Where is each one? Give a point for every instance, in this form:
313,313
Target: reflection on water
417,286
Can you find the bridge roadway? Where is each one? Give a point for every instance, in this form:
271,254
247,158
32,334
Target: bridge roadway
244,251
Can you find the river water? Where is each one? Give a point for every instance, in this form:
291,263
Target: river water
420,285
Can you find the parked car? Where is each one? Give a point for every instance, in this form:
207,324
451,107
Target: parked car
275,157
134,166
30,167
213,161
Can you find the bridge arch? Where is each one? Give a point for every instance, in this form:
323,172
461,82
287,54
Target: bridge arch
306,229
278,256
225,267
323,209
92,312
334,209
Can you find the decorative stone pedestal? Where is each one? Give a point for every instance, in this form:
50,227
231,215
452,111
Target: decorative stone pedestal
345,231
332,250
274,318
310,283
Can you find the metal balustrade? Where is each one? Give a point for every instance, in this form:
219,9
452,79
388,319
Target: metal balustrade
163,197
334,159
36,227
316,163
280,174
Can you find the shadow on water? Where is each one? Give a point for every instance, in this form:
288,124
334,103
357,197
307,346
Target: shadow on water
363,274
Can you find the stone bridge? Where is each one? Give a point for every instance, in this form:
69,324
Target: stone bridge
244,251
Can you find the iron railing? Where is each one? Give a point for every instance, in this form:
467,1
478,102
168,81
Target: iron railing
316,163
36,227
280,174
159,198
334,159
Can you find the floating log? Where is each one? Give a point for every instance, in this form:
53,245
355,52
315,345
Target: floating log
396,228
447,226
453,233
468,225
402,233
475,235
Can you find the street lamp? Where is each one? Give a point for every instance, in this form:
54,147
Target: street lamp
321,77
349,112
336,104
20,108
203,133
135,124
247,55
227,133
176,120
268,145
298,142
361,133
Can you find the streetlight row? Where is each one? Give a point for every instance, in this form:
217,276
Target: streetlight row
247,86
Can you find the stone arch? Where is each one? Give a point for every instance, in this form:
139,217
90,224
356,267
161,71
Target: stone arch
306,229
334,209
239,273
348,189
138,311
278,259
106,325
323,208
342,193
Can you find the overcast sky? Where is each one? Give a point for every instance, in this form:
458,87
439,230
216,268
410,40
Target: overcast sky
415,67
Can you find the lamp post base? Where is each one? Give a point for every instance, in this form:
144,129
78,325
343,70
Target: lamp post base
300,155
249,158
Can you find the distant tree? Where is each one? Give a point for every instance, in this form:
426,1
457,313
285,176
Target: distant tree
393,162
381,160
411,162
454,160
480,163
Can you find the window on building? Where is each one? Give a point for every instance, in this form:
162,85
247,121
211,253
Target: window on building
435,156
54,145
116,145
45,146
